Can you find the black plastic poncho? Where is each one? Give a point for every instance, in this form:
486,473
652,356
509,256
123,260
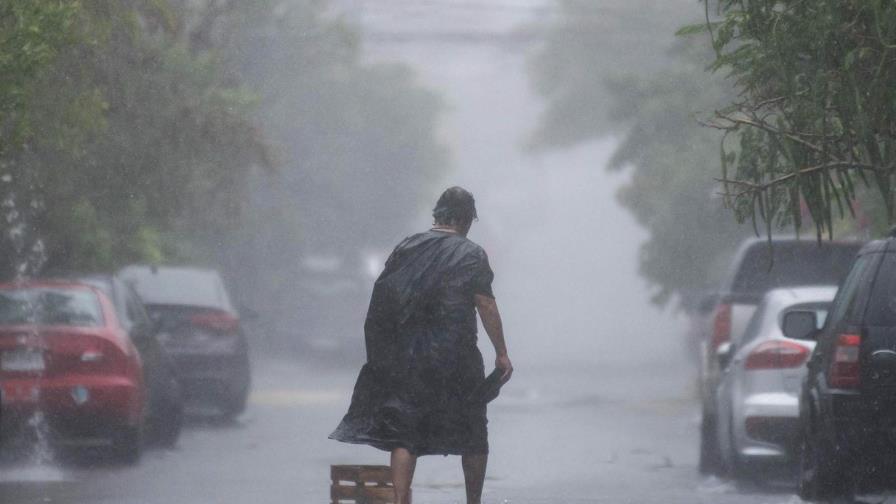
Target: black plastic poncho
422,359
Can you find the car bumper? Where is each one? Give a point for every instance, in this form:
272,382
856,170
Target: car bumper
768,427
862,427
203,375
75,406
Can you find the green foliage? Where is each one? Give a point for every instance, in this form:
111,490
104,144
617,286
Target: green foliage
590,43
602,76
127,134
670,159
31,35
813,125
241,134
356,146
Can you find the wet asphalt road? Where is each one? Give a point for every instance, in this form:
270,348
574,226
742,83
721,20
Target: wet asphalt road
572,434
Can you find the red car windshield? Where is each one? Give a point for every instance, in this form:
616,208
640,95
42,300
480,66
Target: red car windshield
50,306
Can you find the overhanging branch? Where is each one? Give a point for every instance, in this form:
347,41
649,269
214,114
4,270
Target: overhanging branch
762,186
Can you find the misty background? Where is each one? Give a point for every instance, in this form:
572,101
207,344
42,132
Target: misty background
566,254
291,144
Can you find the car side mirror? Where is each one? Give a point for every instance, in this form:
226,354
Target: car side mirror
724,353
800,325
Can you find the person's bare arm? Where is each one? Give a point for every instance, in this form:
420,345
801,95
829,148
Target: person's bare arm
491,320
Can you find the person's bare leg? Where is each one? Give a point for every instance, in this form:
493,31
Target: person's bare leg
474,476
403,465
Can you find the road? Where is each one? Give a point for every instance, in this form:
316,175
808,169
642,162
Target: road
576,433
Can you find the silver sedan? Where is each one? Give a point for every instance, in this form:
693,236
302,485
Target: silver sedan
758,397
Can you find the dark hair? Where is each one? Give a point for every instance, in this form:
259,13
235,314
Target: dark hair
456,206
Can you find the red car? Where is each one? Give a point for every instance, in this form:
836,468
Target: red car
65,354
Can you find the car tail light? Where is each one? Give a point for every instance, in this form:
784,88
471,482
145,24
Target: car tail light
215,320
721,326
89,356
776,355
108,359
844,372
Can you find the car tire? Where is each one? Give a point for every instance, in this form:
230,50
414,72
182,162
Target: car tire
127,445
736,466
710,462
169,425
233,406
820,477
744,470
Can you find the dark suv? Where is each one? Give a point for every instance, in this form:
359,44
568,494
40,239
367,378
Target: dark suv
848,402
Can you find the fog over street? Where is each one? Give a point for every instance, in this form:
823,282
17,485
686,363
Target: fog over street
560,434
603,406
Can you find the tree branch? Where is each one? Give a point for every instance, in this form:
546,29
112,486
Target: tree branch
771,129
804,171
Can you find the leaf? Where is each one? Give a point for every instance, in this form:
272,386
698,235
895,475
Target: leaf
694,29
850,59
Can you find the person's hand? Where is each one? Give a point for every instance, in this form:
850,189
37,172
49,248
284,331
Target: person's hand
503,363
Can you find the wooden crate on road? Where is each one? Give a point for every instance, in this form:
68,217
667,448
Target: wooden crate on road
361,484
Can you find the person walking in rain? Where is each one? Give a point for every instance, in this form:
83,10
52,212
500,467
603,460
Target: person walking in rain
413,396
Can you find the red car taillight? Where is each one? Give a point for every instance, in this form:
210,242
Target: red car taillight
721,326
215,320
844,372
88,356
108,359
776,355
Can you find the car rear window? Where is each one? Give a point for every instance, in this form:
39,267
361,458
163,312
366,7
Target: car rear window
791,265
170,317
50,306
187,287
881,310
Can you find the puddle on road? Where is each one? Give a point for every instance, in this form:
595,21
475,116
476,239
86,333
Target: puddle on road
713,485
34,483
295,397
33,474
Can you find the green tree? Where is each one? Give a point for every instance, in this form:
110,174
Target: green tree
813,123
671,158
135,139
590,43
356,147
353,139
240,134
616,68
31,35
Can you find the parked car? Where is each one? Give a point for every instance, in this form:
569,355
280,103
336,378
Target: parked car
164,400
758,396
327,304
848,401
756,269
65,354
200,329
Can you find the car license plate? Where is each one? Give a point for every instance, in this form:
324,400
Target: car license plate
13,394
22,360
